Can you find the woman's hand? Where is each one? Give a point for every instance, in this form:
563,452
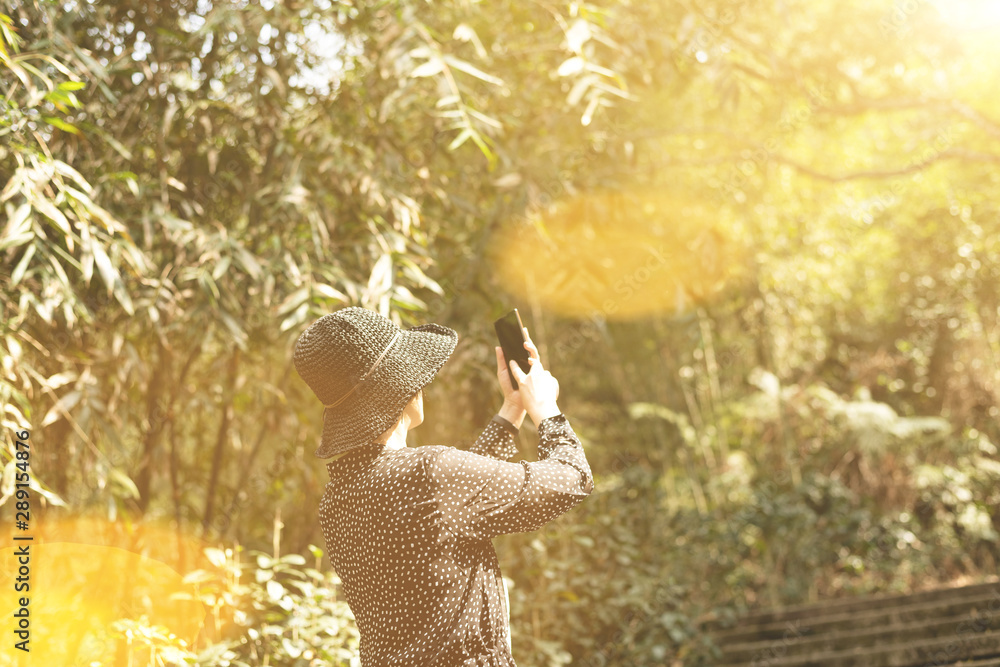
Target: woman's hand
513,408
537,389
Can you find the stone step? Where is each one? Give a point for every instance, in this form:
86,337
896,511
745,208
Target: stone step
824,621
850,605
984,662
809,640
952,626
974,649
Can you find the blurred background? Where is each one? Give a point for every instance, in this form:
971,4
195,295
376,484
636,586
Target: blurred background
757,242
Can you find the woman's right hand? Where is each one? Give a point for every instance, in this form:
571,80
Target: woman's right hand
538,388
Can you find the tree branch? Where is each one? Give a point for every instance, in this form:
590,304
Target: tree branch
950,154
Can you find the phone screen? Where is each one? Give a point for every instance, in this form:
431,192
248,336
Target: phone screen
511,334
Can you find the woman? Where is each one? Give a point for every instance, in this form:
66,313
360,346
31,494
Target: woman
409,530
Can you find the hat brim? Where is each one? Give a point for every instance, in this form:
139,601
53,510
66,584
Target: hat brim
409,365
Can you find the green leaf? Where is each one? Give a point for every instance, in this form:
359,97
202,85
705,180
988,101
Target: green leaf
125,482
581,86
329,292
380,279
216,557
22,266
294,300
248,262
61,124
104,266
122,296
463,136
234,328
48,209
403,298
492,122
588,113
463,66
429,68
296,318
293,650
221,267
62,407
570,66
60,379
86,258
18,229
448,100
275,591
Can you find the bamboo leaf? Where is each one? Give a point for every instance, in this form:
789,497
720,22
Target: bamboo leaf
403,298
429,68
570,66
579,88
45,493
62,407
588,114
22,266
234,328
122,296
61,124
61,379
221,267
295,318
86,257
124,482
104,266
448,100
492,122
18,227
578,35
216,557
293,300
329,292
248,262
68,171
380,279
463,66
48,209
462,137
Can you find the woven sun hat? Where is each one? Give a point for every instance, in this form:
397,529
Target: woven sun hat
365,369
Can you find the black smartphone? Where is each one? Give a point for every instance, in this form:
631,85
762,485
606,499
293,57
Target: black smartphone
510,331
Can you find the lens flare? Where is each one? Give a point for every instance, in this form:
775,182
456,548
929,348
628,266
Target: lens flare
619,255
970,15
78,589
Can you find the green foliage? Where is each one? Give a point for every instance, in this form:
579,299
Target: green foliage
270,611
633,572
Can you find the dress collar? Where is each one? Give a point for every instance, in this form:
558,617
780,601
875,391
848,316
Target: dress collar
354,459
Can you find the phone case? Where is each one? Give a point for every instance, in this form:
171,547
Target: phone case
510,332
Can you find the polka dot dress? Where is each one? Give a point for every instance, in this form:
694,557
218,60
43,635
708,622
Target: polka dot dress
409,533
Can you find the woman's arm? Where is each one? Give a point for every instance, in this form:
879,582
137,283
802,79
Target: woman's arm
481,497
497,439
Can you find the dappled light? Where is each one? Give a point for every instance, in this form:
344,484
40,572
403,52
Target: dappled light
621,255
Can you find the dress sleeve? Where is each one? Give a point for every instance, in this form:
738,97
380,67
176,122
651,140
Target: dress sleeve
496,441
481,497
